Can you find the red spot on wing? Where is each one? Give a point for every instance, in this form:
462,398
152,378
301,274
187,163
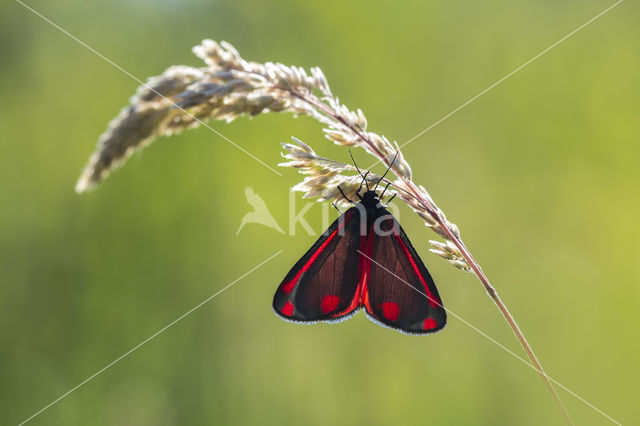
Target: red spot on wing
390,310
429,324
287,309
433,301
329,304
289,285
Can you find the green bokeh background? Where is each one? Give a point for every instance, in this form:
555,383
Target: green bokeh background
540,173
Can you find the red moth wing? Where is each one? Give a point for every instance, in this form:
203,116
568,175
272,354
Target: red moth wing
323,284
400,292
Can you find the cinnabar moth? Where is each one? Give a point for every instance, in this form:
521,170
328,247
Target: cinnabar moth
364,259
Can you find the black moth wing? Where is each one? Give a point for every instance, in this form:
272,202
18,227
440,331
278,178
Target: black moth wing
323,284
400,291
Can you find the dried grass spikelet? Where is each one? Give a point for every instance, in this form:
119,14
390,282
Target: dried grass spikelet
148,114
183,97
449,251
323,176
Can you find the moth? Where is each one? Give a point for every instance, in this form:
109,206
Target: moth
364,259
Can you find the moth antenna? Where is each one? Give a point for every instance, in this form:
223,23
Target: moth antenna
364,177
388,168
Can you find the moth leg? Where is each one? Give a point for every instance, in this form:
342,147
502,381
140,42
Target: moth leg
385,190
344,196
392,197
336,207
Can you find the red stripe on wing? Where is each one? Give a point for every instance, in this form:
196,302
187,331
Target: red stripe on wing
366,249
288,286
433,301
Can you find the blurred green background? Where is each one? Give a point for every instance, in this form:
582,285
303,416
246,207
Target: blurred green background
541,174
